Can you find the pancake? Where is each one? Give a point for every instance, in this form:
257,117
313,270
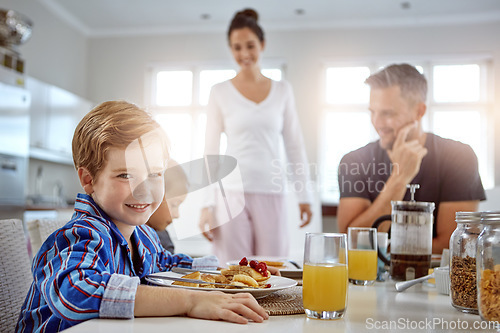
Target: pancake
194,275
274,263
246,270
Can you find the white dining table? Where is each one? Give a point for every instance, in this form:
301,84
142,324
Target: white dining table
376,308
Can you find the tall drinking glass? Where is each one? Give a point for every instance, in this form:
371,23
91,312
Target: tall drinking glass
325,283
383,244
362,243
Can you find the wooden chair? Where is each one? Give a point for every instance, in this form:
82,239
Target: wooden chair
15,272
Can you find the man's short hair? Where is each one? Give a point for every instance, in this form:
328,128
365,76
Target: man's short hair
112,124
413,85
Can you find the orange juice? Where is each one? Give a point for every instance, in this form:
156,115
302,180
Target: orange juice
325,287
362,264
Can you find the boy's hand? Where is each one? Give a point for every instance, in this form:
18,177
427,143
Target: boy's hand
215,305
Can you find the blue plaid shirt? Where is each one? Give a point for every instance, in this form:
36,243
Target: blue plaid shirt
84,270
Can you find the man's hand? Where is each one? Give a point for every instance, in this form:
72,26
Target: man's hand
207,221
406,156
305,214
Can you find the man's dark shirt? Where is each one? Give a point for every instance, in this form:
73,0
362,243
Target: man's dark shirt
449,172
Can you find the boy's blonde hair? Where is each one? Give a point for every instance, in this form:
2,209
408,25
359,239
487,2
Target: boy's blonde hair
112,124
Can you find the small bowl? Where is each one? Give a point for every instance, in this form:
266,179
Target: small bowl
442,276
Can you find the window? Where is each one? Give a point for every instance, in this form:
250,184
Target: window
174,88
347,123
344,85
459,105
457,108
178,97
456,83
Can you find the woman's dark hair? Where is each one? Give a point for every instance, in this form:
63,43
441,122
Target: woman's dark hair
246,18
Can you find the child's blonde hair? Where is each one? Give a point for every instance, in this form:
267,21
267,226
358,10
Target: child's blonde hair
112,124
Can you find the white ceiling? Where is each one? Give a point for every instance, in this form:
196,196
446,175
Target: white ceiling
97,18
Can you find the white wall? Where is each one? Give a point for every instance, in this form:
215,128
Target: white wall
117,65
56,53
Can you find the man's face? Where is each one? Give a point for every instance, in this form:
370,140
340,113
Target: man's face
128,188
389,113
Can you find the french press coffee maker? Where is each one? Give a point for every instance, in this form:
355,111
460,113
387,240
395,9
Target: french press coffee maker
411,237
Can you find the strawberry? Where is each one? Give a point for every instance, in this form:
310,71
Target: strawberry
253,264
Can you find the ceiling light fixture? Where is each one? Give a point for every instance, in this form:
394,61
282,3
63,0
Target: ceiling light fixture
300,11
405,5
205,16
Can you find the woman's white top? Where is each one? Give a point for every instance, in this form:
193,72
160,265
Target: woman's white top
255,136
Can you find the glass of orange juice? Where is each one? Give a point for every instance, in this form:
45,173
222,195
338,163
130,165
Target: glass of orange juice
362,254
324,278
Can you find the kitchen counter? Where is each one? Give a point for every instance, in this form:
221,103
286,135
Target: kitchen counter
370,309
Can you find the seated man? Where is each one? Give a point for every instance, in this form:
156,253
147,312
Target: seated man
376,174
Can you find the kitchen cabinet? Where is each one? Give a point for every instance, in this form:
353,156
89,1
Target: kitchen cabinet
54,114
38,112
65,112
14,131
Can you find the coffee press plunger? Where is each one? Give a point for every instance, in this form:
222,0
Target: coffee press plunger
411,237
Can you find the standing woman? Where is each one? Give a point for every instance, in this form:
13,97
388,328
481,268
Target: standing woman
255,113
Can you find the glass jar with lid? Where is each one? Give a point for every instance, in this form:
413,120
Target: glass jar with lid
463,241
488,267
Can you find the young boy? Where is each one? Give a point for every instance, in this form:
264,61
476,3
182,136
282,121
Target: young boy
176,189
92,266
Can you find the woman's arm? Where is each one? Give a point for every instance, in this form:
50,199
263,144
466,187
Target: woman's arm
214,129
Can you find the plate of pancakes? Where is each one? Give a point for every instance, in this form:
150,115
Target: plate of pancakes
286,267
234,279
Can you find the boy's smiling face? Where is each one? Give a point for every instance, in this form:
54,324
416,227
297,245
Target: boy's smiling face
130,187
